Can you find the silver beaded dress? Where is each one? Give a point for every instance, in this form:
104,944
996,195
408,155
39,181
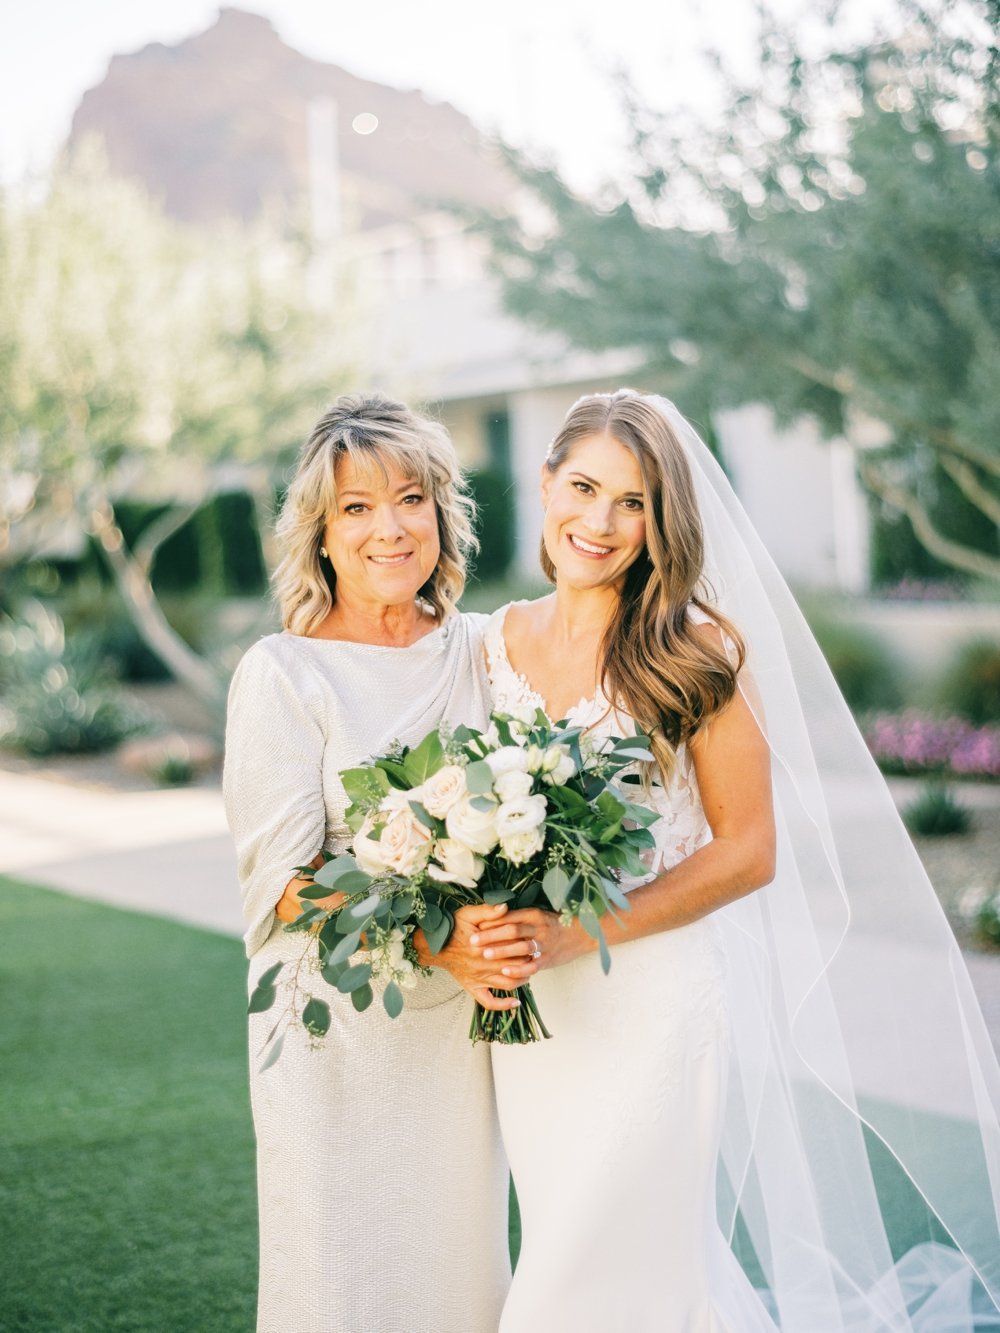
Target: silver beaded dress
381,1180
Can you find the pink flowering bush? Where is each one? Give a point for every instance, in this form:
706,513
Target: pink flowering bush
918,743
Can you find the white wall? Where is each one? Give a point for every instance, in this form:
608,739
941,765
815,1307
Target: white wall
802,496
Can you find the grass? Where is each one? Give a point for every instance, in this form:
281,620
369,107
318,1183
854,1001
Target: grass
127,1195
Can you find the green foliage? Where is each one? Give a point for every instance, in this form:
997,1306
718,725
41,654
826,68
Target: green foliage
936,814
59,696
987,919
494,496
830,248
971,687
861,666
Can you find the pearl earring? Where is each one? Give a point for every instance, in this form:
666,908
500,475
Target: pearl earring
324,553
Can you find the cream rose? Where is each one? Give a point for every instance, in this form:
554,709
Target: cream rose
440,792
475,829
521,847
527,812
405,844
508,759
368,850
509,786
456,863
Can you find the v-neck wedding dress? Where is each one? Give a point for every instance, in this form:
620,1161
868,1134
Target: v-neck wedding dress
612,1127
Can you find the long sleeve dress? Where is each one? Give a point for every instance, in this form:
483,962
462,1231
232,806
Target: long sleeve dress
381,1179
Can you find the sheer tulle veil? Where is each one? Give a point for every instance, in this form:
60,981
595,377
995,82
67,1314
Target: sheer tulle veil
860,1161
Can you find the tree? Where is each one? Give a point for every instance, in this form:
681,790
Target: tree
831,246
142,360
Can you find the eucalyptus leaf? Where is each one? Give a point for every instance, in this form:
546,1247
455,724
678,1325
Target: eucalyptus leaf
340,865
462,734
348,945
479,777
432,916
605,952
316,1017
424,816
315,890
482,803
355,881
494,896
392,999
402,905
362,998
273,1053
437,936
261,999
354,977
331,972
359,911
555,883
304,920
269,977
589,921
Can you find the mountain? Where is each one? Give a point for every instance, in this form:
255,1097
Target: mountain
218,126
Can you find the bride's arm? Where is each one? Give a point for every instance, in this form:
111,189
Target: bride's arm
732,763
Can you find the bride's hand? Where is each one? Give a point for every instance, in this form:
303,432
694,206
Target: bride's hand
466,963
508,942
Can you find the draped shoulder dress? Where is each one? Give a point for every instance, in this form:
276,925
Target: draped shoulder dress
381,1180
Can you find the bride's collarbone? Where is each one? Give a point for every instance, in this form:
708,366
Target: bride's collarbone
562,679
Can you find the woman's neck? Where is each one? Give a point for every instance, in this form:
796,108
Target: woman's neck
582,614
395,626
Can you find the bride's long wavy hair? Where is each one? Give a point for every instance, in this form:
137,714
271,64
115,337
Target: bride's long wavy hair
371,427
670,678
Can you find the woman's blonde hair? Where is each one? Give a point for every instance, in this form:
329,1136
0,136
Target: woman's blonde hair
372,428
670,678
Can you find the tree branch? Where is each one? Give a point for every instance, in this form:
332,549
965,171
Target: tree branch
156,533
951,552
972,488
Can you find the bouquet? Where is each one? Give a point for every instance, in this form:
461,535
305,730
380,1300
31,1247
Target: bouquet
527,812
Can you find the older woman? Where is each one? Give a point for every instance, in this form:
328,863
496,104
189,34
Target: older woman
382,1185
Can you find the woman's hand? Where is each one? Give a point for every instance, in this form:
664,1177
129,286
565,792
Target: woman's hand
466,962
506,942
290,906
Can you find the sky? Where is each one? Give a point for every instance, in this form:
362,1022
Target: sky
538,71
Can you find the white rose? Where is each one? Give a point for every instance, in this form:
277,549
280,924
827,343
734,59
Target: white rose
367,850
508,759
405,844
521,847
475,829
398,801
558,767
509,786
527,812
457,864
442,790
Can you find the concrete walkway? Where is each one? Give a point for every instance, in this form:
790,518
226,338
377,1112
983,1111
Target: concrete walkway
169,853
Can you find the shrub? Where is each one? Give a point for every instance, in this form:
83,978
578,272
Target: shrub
986,919
862,667
59,696
936,814
971,687
916,743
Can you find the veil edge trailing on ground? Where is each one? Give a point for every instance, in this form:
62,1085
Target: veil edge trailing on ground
861,1148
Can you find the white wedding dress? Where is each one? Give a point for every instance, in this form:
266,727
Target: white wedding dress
381,1180
612,1127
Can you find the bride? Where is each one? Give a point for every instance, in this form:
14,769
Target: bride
767,1072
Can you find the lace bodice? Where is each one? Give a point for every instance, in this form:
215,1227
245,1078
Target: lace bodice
681,827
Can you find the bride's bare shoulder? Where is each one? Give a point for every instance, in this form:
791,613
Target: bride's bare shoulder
524,620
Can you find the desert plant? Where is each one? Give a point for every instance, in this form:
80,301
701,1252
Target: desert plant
936,814
971,687
59,695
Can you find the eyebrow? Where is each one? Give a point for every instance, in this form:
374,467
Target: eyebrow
406,486
628,495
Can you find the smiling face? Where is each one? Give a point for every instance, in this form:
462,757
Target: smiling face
595,525
382,539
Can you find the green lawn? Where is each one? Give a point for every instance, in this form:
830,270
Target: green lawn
127,1196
